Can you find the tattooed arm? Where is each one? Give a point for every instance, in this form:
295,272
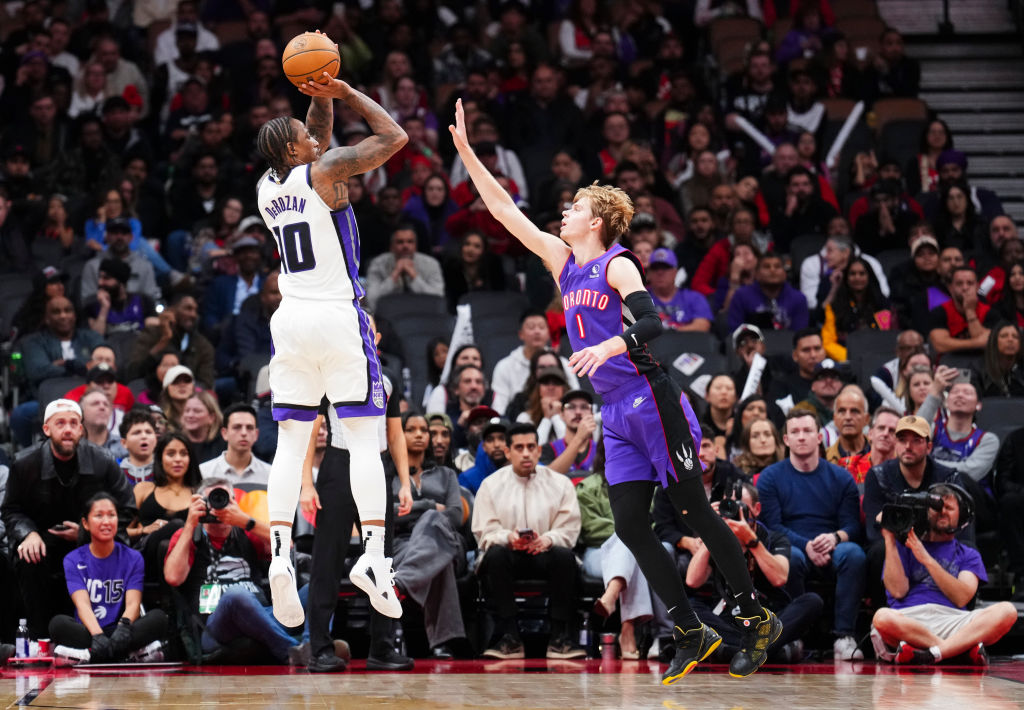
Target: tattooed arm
332,171
320,120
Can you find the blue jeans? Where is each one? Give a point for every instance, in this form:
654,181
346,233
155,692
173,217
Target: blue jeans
239,613
25,422
850,565
176,246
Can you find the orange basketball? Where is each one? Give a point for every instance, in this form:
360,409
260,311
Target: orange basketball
308,56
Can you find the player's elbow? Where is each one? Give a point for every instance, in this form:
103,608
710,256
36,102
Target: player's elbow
399,138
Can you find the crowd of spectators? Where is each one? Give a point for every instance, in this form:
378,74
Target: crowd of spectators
137,352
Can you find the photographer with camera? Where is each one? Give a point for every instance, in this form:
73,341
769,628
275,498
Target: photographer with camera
912,471
816,505
929,581
767,555
218,560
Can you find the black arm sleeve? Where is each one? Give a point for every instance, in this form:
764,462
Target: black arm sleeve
646,323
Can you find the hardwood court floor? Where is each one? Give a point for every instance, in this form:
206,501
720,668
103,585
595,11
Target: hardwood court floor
531,684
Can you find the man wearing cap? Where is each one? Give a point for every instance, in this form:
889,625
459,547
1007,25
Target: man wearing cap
142,277
825,387
679,308
929,581
513,370
49,484
912,471
226,294
403,269
958,324
816,504
916,284
491,453
102,372
440,427
573,455
770,302
114,309
469,390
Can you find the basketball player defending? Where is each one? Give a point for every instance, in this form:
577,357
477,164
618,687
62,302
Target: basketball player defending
651,434
322,339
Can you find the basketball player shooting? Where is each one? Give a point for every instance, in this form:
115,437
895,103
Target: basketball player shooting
323,342
651,434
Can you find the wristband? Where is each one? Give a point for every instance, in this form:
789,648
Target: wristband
753,543
836,536
250,525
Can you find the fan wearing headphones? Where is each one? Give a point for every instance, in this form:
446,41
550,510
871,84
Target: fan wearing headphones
929,582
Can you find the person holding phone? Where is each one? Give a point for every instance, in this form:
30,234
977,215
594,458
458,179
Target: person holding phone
526,521
46,492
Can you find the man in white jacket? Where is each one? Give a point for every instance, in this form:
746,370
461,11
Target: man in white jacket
512,371
526,521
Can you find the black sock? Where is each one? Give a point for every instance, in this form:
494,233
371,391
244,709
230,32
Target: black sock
684,618
749,606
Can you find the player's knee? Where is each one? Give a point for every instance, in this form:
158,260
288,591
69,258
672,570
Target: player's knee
884,620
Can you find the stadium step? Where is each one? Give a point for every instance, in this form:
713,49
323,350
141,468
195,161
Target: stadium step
972,80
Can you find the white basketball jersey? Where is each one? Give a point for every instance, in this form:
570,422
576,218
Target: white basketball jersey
319,247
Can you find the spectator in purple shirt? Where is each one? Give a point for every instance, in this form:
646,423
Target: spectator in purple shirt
104,579
928,582
770,302
678,308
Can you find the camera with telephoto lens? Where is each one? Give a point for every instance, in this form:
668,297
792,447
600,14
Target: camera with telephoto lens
909,511
731,506
215,499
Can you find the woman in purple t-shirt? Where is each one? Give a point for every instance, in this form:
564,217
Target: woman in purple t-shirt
104,580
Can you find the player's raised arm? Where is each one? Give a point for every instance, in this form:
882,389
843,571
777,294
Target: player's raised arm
548,247
388,137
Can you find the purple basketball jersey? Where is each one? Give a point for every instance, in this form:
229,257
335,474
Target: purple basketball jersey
594,312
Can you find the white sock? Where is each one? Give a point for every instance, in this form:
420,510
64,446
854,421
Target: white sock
936,653
285,481
373,539
281,540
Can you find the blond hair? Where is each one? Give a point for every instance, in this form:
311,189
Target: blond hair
612,205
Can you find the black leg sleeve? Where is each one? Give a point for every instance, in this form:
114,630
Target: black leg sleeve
330,545
631,502
65,631
689,497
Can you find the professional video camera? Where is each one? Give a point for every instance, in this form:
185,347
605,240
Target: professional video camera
909,511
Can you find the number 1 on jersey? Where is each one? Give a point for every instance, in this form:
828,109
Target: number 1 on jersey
579,323
295,245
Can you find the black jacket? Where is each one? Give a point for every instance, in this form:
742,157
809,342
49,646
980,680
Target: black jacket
36,500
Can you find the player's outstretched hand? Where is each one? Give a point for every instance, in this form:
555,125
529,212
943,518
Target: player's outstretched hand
587,360
458,131
333,89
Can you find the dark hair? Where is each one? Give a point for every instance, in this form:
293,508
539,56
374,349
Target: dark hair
800,170
922,145
96,498
994,374
770,254
179,296
467,346
132,417
530,313
235,409
433,371
804,333
706,432
625,166
192,477
884,409
800,412
520,428
851,315
698,208
272,143
457,374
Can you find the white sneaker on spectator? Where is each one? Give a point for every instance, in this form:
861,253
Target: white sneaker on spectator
285,597
67,656
373,574
845,649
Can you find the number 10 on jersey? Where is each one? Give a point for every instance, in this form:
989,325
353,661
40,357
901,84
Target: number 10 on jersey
295,245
